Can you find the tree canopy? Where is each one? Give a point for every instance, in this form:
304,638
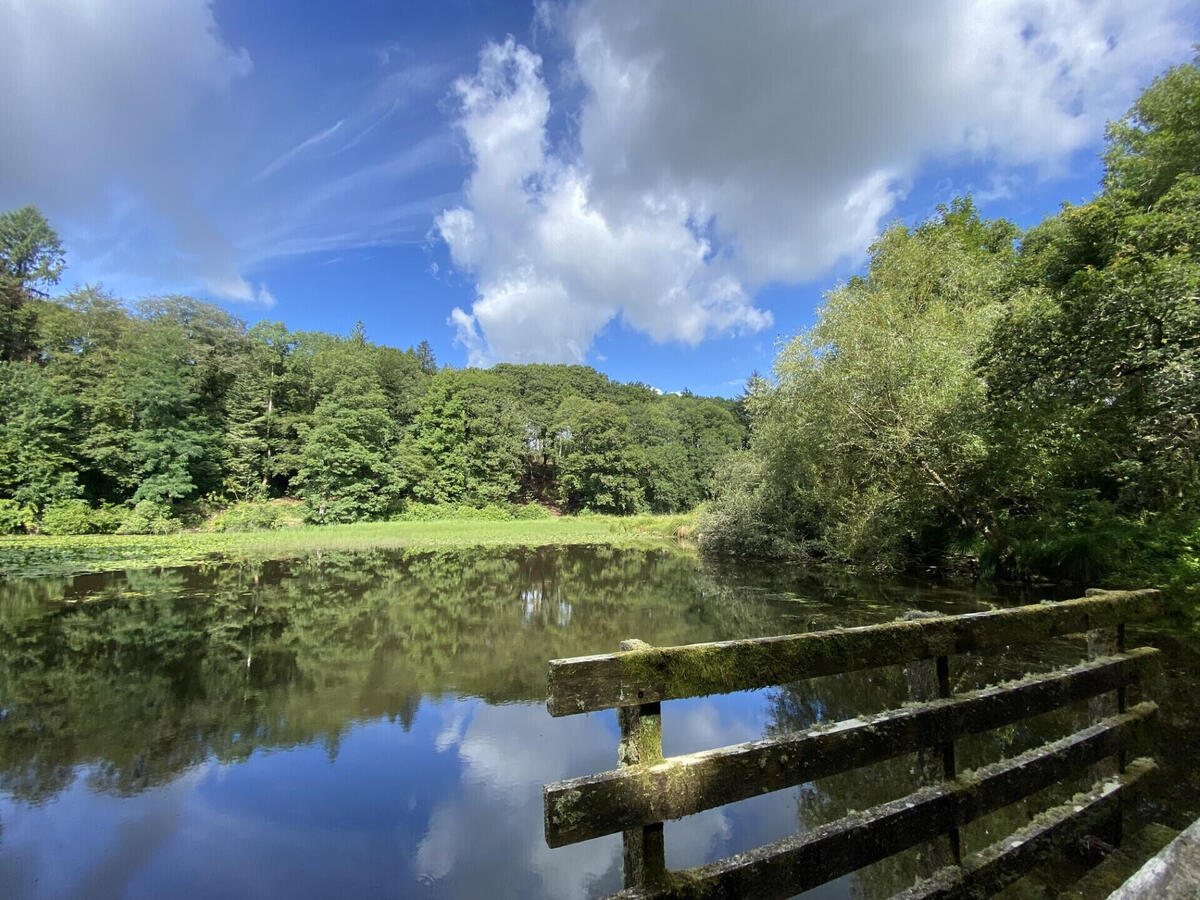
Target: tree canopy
170,401
1031,402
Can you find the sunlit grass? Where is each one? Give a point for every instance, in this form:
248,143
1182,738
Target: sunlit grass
44,554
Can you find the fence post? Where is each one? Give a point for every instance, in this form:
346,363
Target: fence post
926,680
949,764
1107,642
641,742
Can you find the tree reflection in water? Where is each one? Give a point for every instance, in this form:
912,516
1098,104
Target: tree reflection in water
373,722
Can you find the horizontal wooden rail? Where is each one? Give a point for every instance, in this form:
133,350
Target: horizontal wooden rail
1000,864
798,863
663,673
594,805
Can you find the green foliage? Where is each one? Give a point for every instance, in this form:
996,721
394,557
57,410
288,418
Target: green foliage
15,518
1036,409
36,424
30,251
433,512
67,517
31,258
529,512
249,516
601,466
171,399
747,516
493,512
871,438
346,471
149,517
1094,371
1158,141
468,441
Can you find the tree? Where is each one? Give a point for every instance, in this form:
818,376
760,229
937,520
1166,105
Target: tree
30,251
1158,141
601,467
255,422
869,445
346,467
467,441
81,336
37,466
1094,371
31,258
159,383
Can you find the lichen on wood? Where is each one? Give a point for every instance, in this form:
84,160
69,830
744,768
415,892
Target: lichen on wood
649,674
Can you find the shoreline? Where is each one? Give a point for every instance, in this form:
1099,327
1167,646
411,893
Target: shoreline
31,556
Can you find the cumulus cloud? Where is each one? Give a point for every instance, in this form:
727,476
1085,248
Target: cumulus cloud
720,147
551,268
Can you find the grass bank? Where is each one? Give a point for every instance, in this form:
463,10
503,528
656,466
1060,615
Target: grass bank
67,555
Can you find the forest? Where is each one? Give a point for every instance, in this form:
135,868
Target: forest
124,416
1024,405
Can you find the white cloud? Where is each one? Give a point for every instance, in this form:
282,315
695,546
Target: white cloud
551,269
169,163
723,146
287,156
96,95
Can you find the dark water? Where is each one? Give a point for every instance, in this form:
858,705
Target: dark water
373,724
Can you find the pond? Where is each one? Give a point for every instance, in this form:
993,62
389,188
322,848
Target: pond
374,723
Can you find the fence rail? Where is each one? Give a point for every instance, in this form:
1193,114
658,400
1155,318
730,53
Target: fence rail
647,789
652,674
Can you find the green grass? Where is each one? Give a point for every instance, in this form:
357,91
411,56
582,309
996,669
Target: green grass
67,555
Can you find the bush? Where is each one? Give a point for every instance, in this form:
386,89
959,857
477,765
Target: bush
493,512
149,517
14,517
106,518
67,517
743,518
248,516
530,511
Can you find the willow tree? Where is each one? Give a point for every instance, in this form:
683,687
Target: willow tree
867,446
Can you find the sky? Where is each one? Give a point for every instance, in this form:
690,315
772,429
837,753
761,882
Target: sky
661,190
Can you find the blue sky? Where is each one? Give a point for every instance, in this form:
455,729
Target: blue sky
659,190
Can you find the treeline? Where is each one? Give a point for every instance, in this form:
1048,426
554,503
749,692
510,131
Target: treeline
1025,403
117,416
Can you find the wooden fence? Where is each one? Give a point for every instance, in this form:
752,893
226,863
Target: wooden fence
647,789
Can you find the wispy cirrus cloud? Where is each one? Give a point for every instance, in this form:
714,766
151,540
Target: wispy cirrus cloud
171,162
284,158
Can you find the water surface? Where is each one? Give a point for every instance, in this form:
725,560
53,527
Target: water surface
373,723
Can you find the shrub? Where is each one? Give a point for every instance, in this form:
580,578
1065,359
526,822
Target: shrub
106,518
492,513
14,517
248,516
530,511
67,517
149,517
743,518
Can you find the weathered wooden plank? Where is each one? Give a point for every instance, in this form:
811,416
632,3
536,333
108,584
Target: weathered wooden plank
999,865
594,805
663,673
798,863
643,848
